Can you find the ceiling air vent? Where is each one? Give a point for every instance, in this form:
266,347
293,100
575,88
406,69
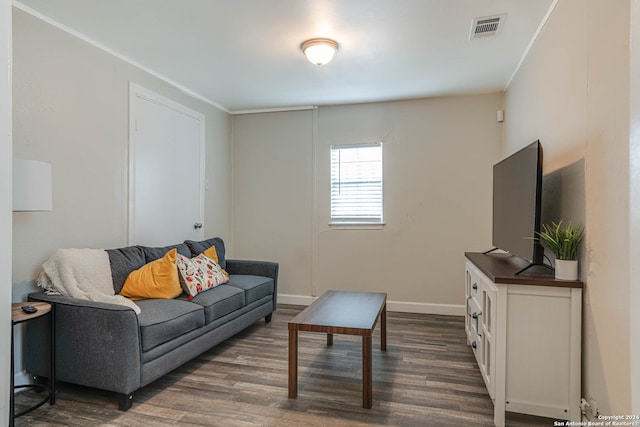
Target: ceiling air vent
486,26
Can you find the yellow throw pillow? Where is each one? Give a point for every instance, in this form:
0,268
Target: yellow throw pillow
212,253
157,279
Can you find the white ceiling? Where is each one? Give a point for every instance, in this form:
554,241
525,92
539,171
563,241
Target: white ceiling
245,54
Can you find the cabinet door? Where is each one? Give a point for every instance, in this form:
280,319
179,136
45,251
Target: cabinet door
475,330
539,353
472,280
488,299
467,293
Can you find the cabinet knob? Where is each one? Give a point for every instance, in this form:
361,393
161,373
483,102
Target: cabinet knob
474,316
475,286
474,345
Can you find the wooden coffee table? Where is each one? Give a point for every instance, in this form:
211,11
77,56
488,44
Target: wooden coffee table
341,312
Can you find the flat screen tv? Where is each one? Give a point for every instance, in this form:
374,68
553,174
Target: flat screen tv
517,195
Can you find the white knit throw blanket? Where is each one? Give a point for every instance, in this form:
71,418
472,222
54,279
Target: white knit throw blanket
83,274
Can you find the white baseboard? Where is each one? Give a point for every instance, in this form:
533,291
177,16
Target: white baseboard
295,299
400,306
425,308
21,378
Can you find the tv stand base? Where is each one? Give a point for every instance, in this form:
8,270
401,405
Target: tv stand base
522,270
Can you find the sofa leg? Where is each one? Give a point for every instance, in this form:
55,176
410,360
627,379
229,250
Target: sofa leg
124,401
268,318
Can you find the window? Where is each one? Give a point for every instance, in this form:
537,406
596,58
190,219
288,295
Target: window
356,184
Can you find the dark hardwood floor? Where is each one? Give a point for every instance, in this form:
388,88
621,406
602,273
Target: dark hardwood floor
427,377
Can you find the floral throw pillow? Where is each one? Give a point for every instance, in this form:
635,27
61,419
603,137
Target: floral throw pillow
199,274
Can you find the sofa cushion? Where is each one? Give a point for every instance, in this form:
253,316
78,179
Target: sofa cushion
157,279
198,247
152,254
123,261
162,320
254,287
199,274
219,301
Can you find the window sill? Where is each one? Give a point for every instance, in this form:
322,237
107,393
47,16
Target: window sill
357,225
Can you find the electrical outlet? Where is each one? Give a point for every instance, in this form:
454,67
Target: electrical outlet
585,409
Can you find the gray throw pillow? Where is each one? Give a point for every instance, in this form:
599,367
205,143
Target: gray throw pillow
198,247
123,261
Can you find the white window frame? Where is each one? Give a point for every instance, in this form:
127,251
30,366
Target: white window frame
356,222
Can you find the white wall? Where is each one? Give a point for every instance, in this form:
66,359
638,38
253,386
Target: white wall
5,206
438,155
634,204
71,110
572,92
273,193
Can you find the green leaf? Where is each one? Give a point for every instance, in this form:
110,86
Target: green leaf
563,241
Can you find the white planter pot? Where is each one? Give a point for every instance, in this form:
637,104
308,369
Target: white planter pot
566,270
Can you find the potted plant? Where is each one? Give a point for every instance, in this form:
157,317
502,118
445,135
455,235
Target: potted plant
563,241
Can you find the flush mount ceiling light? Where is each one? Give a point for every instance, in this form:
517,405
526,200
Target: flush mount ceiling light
319,51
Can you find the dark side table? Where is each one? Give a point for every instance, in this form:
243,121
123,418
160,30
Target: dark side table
20,316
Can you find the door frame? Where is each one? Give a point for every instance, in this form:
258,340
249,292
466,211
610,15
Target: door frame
137,91
6,178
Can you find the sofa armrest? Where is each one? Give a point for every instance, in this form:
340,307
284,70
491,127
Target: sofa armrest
96,344
256,268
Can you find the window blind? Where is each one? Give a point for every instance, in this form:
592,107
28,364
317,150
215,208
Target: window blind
356,183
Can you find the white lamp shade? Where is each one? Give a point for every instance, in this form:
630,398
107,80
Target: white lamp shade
319,51
32,189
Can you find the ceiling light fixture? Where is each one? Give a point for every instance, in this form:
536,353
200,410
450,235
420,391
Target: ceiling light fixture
319,51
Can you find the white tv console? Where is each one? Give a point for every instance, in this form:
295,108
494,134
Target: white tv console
525,331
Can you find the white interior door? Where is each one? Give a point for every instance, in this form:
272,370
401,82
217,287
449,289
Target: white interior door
166,174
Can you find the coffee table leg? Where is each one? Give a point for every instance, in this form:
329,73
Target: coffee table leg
293,364
329,339
383,328
367,384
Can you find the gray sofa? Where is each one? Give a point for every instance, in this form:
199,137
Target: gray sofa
109,347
